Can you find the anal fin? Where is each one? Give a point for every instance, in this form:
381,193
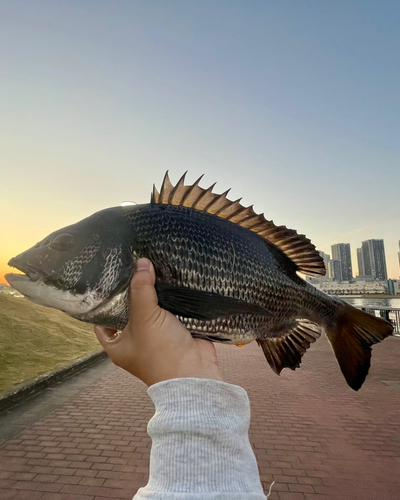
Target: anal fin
287,351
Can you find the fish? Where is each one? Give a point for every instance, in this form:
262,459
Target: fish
229,274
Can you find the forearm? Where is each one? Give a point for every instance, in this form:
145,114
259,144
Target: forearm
200,444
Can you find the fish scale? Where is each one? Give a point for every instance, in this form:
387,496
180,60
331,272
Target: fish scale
198,250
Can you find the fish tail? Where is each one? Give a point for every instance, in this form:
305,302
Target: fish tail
352,334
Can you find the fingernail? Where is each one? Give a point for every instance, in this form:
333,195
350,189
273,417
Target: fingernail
142,265
114,336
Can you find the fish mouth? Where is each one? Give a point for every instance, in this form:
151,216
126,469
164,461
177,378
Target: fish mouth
35,286
29,272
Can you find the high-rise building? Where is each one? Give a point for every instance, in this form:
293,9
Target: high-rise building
327,259
373,252
335,270
399,253
393,286
341,252
360,261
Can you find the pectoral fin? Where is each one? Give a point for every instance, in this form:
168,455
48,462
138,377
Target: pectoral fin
201,305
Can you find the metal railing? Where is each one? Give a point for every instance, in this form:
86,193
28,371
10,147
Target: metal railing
390,314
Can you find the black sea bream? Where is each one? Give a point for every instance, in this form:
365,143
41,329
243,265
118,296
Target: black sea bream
229,274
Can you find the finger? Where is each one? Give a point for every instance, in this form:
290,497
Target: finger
118,347
107,336
143,296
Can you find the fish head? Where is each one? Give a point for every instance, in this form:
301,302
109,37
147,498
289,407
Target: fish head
78,268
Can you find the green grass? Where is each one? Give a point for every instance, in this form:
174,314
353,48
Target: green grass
36,339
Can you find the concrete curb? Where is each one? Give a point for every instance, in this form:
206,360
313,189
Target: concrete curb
34,386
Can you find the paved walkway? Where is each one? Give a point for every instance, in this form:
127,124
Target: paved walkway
314,436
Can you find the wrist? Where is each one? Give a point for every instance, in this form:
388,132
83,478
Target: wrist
200,442
184,375
218,395
208,374
198,359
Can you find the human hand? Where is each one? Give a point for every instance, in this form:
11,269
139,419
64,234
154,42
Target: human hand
155,346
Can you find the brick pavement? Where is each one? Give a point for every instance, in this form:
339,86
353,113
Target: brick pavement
314,436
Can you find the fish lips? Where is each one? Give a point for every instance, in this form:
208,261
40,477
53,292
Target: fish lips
15,280
23,283
36,287
30,272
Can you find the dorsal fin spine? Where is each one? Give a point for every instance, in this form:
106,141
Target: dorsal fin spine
256,224
163,185
190,189
219,197
156,194
180,183
297,247
203,194
236,202
239,216
248,217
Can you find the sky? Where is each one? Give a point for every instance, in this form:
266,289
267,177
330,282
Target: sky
292,104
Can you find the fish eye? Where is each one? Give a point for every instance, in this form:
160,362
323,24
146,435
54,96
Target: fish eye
62,242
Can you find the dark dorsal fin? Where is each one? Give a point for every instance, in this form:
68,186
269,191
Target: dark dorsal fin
297,247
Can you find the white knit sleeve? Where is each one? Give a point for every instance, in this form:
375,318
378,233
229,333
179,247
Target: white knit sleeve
200,444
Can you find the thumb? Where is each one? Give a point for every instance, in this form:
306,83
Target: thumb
143,296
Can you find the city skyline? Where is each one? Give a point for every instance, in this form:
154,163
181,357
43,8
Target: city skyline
371,261
291,104
392,254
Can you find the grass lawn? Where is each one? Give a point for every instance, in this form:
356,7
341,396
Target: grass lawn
36,339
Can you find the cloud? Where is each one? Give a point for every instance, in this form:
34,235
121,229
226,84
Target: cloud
342,237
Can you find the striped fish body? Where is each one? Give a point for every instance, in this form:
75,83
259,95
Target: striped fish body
205,253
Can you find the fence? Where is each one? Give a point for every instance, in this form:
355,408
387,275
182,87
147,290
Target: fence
392,315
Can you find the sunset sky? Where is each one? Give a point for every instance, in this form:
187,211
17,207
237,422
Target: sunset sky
293,104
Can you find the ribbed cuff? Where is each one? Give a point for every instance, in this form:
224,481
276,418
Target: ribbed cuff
200,445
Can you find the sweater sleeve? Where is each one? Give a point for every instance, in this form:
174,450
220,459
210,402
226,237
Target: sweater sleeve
200,444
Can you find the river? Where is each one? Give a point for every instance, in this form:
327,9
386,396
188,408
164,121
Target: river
373,303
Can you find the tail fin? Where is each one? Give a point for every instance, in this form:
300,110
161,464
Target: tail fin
351,337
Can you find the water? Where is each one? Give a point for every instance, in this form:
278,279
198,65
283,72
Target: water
373,303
